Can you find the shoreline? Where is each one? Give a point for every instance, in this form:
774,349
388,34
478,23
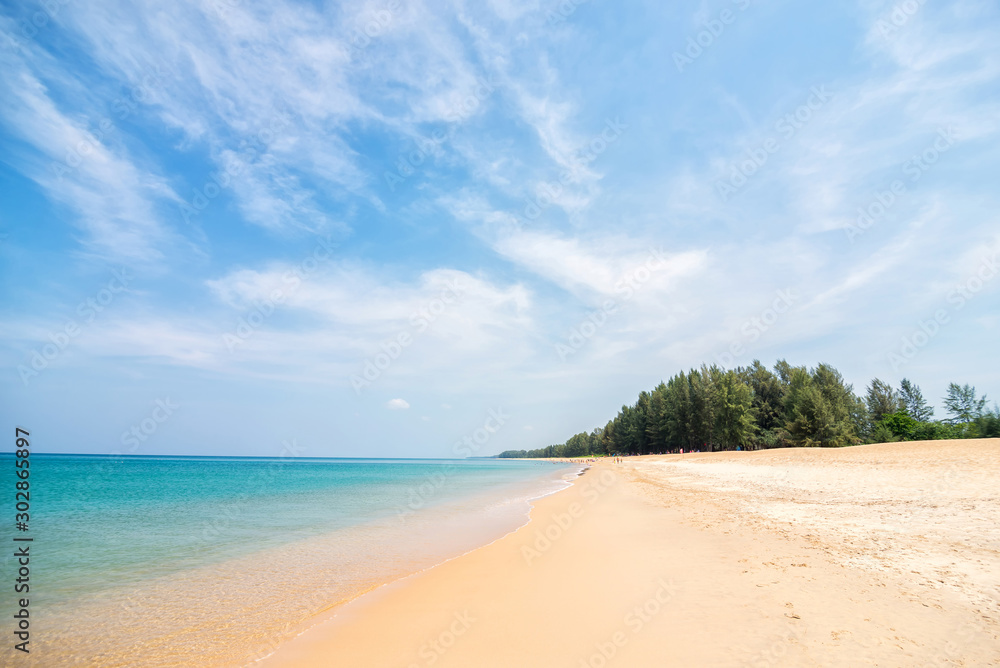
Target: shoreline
336,608
704,561
241,608
343,607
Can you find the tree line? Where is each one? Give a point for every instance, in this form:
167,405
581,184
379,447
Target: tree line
753,407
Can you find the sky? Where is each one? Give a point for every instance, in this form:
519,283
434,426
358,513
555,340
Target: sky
428,229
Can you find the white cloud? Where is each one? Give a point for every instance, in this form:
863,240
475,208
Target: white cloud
224,77
397,404
599,267
113,200
324,326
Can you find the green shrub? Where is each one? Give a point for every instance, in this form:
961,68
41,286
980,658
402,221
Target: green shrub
882,434
899,424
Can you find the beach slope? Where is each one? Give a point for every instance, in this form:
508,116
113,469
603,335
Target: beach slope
880,555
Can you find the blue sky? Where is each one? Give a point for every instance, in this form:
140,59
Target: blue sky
377,228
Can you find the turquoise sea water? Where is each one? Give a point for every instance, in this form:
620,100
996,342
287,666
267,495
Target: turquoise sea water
172,540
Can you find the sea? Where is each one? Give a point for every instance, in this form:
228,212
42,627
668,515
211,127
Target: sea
216,561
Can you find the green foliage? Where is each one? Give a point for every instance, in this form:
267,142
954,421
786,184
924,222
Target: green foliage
702,417
656,424
734,417
752,408
881,400
883,434
677,411
899,424
768,392
818,408
769,438
577,446
913,401
936,431
988,424
860,421
962,403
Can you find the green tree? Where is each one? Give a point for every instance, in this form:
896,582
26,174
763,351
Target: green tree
842,400
900,424
768,396
713,408
817,408
702,418
576,446
913,401
858,417
962,403
881,400
988,424
783,370
656,419
734,423
640,416
677,412
622,433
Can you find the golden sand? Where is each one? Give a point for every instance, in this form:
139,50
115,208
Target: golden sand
879,555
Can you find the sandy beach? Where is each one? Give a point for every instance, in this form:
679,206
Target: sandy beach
876,555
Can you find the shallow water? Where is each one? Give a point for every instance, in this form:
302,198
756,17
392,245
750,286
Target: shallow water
169,561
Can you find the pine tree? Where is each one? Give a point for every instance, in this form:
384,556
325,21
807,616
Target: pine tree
961,402
678,412
768,396
881,400
734,423
656,427
818,408
701,419
640,416
913,401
